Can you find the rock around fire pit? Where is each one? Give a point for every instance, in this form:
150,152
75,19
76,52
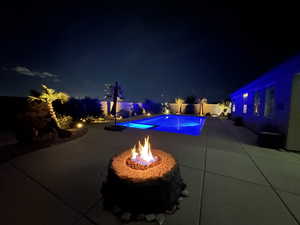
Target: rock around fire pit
147,189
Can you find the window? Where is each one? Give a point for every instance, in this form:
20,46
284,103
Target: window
256,103
245,108
233,107
245,97
269,102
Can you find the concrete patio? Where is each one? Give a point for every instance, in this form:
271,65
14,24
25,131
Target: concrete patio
230,180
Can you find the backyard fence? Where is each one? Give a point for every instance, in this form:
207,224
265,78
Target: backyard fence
212,109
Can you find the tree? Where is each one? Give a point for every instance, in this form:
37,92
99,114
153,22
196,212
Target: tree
202,102
115,92
179,102
48,96
152,107
190,99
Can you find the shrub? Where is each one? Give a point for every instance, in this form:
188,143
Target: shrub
190,109
190,99
152,107
124,113
92,119
65,121
35,124
80,108
137,110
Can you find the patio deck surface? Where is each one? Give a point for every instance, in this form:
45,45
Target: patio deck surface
230,180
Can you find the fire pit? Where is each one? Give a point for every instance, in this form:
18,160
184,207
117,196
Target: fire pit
143,181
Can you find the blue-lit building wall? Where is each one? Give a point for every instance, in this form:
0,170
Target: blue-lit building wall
278,82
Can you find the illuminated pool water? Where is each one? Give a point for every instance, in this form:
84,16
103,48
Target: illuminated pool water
190,125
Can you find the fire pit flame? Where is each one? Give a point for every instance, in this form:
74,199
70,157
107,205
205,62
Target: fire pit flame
143,154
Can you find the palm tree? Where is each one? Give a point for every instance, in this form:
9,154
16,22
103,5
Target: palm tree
202,103
48,96
179,102
113,92
117,92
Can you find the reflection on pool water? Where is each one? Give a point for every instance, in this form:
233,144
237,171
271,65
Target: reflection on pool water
190,125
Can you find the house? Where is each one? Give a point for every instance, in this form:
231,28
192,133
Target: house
272,101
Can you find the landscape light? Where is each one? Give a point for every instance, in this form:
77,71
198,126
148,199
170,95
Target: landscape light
79,125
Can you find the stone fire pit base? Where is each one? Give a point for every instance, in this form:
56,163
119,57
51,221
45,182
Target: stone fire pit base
141,197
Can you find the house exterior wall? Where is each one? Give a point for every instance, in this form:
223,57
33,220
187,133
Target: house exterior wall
280,79
293,138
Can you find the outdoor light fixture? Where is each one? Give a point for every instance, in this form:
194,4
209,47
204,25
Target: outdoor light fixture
148,114
79,125
245,95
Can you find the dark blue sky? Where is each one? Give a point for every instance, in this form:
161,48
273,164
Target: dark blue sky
170,49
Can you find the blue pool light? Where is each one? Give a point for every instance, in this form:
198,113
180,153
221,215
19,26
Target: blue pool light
137,125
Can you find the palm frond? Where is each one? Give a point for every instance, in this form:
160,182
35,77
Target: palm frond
49,95
32,99
63,97
179,101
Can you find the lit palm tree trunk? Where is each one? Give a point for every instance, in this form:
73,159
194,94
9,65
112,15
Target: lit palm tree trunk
201,109
52,113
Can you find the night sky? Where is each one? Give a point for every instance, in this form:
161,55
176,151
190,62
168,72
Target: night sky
156,51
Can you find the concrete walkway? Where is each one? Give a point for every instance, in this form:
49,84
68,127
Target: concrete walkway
231,181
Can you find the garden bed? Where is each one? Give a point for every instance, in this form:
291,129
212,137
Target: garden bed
8,152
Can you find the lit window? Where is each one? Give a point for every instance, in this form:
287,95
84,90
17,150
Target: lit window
269,102
256,103
244,108
233,107
245,96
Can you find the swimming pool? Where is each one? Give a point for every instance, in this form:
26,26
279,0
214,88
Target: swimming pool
190,125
